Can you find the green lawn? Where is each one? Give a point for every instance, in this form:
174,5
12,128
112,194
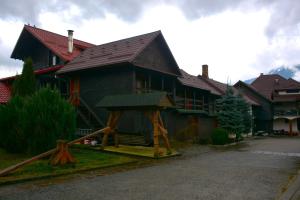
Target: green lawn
85,160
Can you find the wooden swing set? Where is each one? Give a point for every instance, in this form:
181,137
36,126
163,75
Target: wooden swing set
149,103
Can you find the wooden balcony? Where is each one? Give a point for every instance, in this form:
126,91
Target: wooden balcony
290,113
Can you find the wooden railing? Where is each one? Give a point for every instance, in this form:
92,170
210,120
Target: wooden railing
191,104
286,113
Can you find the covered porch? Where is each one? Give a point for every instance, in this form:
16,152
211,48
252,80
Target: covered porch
287,125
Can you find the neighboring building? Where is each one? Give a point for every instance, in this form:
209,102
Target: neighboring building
279,99
85,73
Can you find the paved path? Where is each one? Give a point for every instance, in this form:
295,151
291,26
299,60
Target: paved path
257,170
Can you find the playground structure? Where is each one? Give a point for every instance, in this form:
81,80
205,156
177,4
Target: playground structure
149,103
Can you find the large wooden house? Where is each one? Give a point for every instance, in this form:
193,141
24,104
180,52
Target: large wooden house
279,103
85,73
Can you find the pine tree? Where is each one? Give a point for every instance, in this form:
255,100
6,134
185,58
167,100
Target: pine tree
25,84
244,108
229,115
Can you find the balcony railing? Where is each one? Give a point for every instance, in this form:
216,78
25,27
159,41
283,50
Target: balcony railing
286,113
191,104
186,103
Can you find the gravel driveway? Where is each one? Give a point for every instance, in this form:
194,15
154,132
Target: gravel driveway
258,169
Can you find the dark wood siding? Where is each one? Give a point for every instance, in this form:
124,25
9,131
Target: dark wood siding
95,84
156,56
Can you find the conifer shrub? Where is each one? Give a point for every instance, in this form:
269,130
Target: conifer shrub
219,136
12,123
25,84
49,118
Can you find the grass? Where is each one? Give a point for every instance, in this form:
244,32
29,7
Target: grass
85,160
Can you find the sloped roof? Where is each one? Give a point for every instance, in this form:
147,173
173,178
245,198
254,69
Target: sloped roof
136,101
196,82
267,84
250,87
5,93
58,44
37,72
222,87
121,51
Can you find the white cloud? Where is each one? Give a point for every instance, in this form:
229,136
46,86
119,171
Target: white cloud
232,43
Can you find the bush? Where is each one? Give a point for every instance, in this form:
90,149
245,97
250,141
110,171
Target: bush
12,136
219,136
25,84
49,118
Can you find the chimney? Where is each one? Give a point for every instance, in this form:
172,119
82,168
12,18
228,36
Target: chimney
205,71
70,41
261,74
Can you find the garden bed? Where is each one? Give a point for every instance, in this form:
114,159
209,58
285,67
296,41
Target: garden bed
85,160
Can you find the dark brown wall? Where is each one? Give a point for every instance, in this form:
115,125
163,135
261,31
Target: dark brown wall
155,56
95,84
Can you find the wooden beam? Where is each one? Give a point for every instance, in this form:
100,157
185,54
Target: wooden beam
47,153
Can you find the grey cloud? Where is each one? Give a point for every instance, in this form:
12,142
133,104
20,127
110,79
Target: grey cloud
285,18
6,61
285,14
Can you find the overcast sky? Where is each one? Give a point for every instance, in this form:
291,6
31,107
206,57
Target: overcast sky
237,39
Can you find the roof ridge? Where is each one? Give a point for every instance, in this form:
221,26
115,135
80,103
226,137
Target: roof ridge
115,41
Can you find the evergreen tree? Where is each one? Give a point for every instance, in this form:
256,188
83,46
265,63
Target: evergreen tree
229,115
25,84
49,117
244,108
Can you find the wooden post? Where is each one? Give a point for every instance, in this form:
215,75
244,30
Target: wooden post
291,127
111,124
155,133
164,134
47,153
158,130
61,156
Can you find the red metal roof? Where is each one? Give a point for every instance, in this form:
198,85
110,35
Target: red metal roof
56,43
121,51
4,93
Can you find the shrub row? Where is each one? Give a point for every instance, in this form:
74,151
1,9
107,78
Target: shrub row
33,124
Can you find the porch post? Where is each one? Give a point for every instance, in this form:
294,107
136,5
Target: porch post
291,127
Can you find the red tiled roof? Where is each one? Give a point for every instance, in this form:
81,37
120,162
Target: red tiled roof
4,93
120,51
268,84
57,43
196,82
37,72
